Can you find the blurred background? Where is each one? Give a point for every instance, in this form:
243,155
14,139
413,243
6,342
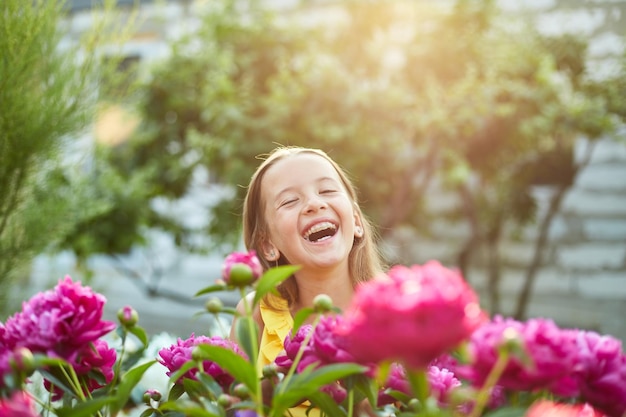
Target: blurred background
486,134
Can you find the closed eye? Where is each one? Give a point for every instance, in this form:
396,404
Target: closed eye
287,202
327,191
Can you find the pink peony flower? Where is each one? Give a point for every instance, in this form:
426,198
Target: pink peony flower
600,371
175,356
396,381
412,315
241,268
329,345
292,346
336,391
92,365
550,349
20,404
59,322
5,364
98,357
441,382
323,348
545,408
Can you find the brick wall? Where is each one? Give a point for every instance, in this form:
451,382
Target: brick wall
583,281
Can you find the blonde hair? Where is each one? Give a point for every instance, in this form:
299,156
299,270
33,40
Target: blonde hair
364,260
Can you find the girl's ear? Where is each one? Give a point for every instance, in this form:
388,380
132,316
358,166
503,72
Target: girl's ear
270,253
358,226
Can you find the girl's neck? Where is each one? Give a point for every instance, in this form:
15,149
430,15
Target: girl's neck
337,285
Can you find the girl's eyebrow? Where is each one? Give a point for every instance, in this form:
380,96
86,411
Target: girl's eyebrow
291,188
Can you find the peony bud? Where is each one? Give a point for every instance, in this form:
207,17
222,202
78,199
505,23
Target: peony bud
270,370
225,400
23,361
151,395
214,305
322,303
240,275
127,317
241,269
241,391
513,343
197,354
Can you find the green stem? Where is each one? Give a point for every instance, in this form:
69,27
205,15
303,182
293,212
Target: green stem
118,363
419,385
72,380
255,352
350,403
496,372
220,325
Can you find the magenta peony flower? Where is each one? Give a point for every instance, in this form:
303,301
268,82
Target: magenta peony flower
93,365
442,382
600,371
551,350
336,391
325,346
59,322
412,315
545,408
396,381
5,364
241,268
174,357
329,345
322,349
20,404
98,357
292,346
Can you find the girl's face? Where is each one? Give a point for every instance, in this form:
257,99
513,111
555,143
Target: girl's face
310,216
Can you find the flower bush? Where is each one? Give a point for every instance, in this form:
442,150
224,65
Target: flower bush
415,342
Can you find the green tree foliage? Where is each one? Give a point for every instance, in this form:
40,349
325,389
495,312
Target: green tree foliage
408,96
46,102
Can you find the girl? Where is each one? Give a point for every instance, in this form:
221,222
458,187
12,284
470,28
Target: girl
302,209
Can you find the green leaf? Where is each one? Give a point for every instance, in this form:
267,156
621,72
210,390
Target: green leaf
300,318
48,362
190,364
58,382
128,382
365,385
237,366
175,392
324,402
210,384
507,412
271,279
147,412
140,333
84,409
195,389
189,409
210,289
304,385
247,341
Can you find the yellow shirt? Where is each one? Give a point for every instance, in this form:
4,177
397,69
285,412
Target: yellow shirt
277,325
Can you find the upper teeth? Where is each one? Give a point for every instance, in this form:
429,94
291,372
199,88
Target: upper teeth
318,227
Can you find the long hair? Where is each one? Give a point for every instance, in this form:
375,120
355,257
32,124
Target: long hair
364,260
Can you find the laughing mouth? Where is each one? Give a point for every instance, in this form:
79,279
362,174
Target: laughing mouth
320,231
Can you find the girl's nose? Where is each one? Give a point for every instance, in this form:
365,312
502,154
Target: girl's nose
315,203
